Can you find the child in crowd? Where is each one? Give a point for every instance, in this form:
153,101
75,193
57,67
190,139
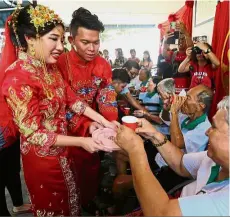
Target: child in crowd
108,95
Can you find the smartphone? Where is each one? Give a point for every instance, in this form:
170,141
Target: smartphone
174,38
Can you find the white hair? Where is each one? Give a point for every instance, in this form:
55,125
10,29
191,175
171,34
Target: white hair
167,85
224,104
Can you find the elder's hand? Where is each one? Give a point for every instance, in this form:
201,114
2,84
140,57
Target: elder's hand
145,129
128,140
177,102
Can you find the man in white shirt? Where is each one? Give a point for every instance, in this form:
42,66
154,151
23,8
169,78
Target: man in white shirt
189,121
208,195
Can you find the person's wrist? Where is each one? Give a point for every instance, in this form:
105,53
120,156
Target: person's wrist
136,150
102,120
157,135
158,138
81,141
174,112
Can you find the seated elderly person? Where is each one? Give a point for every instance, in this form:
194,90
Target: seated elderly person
145,77
189,121
151,96
166,90
207,195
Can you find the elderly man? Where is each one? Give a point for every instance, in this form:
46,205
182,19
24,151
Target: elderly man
207,195
166,89
189,120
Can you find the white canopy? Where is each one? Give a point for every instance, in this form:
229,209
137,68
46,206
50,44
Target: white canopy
118,12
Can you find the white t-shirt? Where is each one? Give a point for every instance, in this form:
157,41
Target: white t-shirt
199,198
195,140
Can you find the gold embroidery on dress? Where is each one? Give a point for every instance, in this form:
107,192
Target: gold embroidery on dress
49,114
49,79
74,199
38,139
44,213
25,57
12,66
28,67
78,107
24,147
43,77
20,110
60,92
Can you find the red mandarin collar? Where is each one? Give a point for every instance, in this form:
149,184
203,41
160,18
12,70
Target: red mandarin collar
77,59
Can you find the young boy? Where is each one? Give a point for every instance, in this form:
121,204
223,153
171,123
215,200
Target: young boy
107,98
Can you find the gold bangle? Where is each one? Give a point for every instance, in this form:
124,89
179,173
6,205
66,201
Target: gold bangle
161,143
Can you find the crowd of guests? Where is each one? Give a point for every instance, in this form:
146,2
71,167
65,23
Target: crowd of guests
191,64
120,60
53,101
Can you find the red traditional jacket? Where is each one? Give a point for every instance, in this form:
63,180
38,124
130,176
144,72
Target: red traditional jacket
86,79
39,101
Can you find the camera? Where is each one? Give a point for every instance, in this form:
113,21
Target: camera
196,50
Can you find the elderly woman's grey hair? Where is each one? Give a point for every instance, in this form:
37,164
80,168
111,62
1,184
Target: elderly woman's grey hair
224,104
167,85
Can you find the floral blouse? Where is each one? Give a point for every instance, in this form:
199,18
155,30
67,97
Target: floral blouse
39,98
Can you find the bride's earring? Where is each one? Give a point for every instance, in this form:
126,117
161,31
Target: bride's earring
32,50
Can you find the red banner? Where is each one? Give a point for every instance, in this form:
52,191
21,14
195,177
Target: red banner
184,14
220,44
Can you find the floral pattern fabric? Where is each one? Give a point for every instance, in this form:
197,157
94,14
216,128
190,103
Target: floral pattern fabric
107,103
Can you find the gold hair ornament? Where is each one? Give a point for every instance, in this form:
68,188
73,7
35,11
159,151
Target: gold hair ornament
41,16
13,22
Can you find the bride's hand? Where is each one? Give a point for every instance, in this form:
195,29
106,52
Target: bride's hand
91,146
112,125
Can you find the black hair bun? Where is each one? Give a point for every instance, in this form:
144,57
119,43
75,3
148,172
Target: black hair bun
81,12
